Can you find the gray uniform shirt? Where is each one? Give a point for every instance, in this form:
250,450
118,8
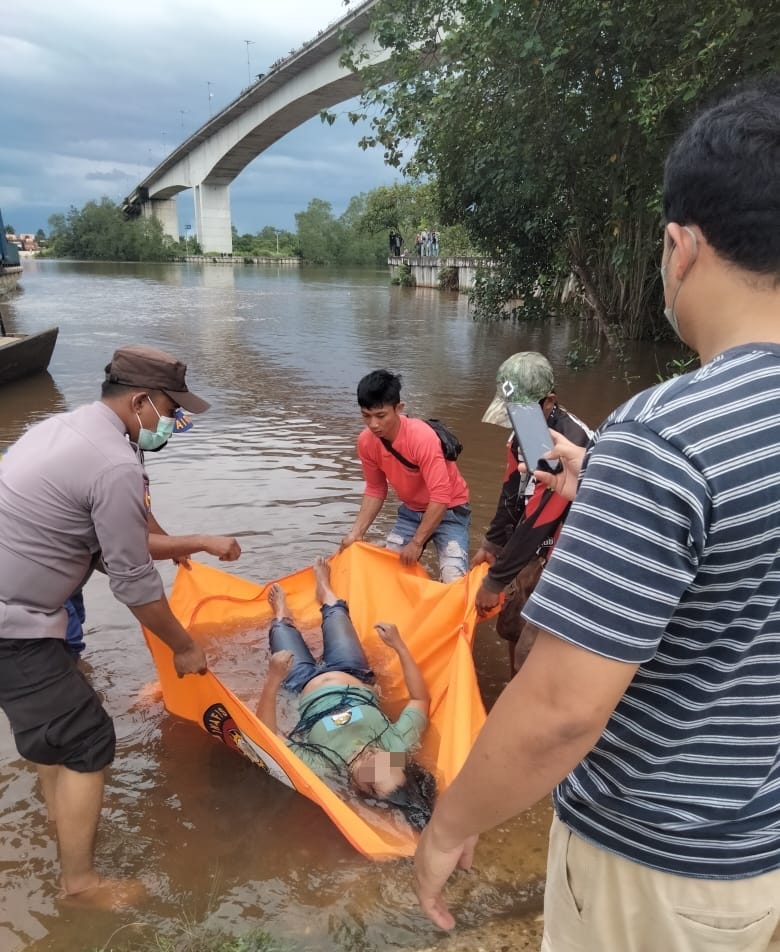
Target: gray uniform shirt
71,489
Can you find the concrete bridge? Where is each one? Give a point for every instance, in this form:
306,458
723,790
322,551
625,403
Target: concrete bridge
294,90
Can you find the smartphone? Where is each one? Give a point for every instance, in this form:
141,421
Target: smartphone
533,435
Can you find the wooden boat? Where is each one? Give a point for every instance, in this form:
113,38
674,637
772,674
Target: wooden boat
22,355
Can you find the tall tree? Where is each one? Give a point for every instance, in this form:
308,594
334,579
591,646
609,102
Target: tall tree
98,231
546,123
319,234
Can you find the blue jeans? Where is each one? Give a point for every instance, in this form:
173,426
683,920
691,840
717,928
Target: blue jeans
341,649
451,538
74,636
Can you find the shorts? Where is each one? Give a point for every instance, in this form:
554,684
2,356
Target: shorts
55,715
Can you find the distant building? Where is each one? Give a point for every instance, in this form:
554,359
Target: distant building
23,242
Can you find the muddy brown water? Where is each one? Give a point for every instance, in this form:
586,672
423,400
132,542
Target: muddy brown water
278,352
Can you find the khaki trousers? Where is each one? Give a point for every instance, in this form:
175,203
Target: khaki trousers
598,902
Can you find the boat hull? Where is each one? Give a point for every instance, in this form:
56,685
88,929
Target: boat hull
24,355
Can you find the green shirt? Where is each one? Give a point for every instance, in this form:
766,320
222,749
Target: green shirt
355,724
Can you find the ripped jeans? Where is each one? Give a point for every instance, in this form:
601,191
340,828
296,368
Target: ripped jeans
451,538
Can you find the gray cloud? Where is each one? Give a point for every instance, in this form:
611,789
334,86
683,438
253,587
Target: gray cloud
109,88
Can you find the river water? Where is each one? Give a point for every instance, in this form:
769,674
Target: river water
278,352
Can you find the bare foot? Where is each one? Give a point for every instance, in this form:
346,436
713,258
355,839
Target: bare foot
278,601
107,894
323,593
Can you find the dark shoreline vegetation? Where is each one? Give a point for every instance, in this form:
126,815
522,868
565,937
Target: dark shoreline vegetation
360,237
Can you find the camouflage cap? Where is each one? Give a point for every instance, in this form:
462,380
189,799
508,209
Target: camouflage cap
526,377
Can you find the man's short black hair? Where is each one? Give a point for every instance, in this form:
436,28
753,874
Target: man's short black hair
722,175
380,388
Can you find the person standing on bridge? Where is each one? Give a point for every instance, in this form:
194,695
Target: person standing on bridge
72,497
650,702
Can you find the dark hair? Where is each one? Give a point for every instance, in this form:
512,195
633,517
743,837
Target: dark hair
415,797
380,388
109,389
722,175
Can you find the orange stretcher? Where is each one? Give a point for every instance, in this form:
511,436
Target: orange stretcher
436,621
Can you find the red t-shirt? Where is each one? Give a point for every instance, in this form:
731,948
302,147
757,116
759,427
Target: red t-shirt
436,480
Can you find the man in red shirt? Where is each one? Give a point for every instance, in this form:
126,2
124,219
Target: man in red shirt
407,453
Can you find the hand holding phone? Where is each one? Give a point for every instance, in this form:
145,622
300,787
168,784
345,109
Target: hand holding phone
533,436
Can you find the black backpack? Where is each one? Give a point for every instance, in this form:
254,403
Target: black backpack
451,446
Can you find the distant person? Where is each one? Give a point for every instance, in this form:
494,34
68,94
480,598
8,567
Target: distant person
406,453
71,496
650,702
529,515
342,733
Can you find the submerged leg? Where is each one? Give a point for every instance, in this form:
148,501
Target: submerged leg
284,636
78,802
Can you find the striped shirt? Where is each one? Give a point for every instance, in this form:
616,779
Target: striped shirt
670,558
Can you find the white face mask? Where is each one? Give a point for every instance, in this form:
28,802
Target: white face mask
669,312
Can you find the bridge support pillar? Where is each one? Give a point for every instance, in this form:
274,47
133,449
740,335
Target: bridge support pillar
164,210
212,218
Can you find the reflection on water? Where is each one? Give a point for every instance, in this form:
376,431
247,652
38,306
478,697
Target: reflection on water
24,402
278,352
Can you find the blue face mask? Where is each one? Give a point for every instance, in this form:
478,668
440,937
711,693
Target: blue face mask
151,441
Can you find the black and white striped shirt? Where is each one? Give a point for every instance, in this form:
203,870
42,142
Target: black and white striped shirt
670,558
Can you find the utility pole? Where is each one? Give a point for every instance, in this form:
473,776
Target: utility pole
209,84
181,113
248,65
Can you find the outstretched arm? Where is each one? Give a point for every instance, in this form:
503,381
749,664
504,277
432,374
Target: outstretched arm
369,510
419,696
181,547
164,546
547,719
278,667
188,656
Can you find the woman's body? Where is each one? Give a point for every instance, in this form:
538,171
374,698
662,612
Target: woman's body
342,729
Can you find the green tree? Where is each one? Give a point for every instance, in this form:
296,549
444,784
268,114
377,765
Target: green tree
100,232
269,242
319,234
9,230
546,124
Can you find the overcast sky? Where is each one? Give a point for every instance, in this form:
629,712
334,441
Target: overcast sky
95,92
